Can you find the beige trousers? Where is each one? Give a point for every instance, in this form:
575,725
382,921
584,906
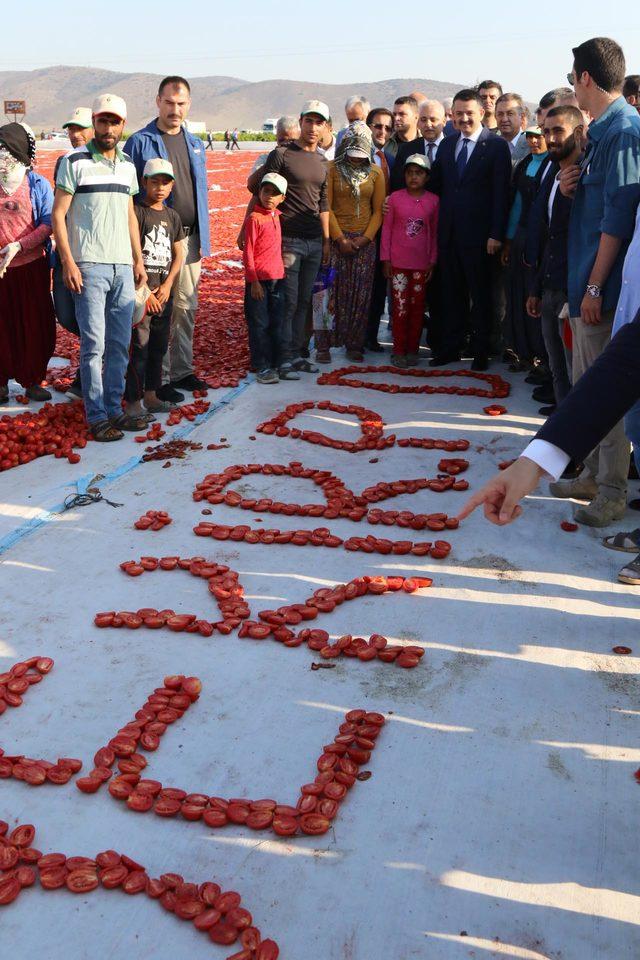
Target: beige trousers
178,360
608,464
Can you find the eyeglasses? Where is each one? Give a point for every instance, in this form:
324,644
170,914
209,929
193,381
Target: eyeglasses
381,126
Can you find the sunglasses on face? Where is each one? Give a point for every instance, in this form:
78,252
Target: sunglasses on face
382,126
571,79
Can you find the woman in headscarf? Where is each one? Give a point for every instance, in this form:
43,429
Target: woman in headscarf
356,192
27,323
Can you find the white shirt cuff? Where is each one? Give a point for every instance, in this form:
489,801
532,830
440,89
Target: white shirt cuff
549,458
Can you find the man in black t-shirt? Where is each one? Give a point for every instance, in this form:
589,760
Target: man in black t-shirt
168,138
305,229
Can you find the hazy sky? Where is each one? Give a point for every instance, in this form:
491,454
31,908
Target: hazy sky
526,46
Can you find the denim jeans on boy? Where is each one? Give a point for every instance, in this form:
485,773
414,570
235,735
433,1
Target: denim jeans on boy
264,321
104,311
302,259
64,303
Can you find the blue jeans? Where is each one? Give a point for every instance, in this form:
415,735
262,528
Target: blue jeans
63,302
264,321
104,311
302,259
632,430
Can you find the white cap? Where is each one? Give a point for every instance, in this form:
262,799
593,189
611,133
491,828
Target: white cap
109,103
419,160
355,152
81,117
316,106
276,180
157,166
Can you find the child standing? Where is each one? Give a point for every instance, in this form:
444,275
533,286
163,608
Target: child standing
264,272
408,251
160,236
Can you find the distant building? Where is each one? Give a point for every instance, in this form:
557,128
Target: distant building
196,126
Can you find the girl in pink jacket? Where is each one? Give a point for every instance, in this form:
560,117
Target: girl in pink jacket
408,251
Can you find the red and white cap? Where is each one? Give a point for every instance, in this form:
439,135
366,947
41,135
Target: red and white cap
109,103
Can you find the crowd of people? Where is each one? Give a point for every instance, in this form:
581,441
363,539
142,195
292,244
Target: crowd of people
506,234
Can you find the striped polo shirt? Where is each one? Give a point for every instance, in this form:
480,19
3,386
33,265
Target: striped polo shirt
98,218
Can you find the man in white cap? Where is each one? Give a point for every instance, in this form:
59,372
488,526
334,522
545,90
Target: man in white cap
98,243
305,231
79,129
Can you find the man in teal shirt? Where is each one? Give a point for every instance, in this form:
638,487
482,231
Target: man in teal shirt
606,190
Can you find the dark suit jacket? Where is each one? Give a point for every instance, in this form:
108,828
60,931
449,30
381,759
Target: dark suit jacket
476,207
600,398
396,181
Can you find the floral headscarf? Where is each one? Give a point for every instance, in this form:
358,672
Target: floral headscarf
357,136
17,153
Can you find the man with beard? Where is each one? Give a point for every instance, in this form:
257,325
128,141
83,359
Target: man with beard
563,131
405,125
606,189
98,242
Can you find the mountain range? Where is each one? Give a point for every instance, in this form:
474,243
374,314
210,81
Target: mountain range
52,93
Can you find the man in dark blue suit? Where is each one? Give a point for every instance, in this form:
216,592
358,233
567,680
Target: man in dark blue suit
471,175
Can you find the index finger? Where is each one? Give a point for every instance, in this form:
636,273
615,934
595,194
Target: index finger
471,504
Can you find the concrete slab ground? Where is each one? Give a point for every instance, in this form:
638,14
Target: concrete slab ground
500,817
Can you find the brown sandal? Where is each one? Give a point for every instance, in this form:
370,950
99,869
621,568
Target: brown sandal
104,432
129,423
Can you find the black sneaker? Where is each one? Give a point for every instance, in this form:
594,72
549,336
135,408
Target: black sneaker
547,411
167,392
304,366
37,393
544,394
191,383
480,363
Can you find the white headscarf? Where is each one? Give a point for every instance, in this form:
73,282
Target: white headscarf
12,172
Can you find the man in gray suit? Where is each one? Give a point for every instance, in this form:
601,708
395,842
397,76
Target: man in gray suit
510,112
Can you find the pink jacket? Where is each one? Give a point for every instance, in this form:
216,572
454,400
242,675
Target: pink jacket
410,231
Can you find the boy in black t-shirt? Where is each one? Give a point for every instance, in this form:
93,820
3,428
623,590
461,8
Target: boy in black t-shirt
160,235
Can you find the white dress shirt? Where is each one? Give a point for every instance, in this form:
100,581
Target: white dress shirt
549,458
552,197
472,139
436,144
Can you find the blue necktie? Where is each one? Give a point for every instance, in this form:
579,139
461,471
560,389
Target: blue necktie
461,160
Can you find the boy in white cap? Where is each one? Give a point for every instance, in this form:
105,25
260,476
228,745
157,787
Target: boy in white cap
98,243
161,236
264,272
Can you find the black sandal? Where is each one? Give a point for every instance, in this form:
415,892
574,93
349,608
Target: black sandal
104,432
627,542
630,573
129,423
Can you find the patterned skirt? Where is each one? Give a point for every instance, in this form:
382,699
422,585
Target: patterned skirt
352,294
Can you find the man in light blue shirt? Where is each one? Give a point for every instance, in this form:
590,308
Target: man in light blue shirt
606,188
